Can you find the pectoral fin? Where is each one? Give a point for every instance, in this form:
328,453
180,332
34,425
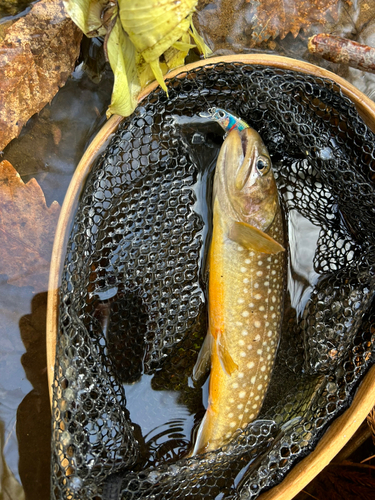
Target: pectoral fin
252,238
202,365
226,360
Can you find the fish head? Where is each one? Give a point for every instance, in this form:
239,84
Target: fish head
246,187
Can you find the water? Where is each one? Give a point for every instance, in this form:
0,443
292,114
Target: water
165,422
10,10
303,236
77,112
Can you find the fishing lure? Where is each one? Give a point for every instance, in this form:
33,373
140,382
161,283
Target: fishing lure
225,119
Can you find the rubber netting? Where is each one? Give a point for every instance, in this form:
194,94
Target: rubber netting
132,298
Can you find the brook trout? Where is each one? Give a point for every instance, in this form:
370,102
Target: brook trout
246,276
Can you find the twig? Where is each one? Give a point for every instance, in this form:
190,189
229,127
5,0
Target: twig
366,459
309,494
341,50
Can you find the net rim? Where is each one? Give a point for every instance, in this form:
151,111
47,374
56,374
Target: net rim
345,426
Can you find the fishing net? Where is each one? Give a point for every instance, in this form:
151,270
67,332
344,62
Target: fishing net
132,298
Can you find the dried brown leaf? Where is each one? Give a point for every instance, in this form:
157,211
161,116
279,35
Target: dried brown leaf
348,480
272,18
339,481
37,54
237,25
27,229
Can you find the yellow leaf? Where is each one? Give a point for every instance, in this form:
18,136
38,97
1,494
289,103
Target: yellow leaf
175,56
154,52
185,47
144,31
149,21
87,15
202,47
158,73
122,58
145,73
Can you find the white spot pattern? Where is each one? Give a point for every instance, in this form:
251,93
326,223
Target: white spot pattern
254,316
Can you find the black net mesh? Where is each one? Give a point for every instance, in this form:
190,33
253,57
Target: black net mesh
132,298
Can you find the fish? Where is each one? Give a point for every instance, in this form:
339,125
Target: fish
246,265
226,120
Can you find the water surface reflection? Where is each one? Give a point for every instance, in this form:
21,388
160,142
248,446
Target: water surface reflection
49,149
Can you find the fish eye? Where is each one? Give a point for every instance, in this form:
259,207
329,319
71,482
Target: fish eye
221,114
263,165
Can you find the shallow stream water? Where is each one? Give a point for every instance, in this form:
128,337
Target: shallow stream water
77,113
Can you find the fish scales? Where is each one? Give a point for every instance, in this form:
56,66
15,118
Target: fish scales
256,290
253,304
